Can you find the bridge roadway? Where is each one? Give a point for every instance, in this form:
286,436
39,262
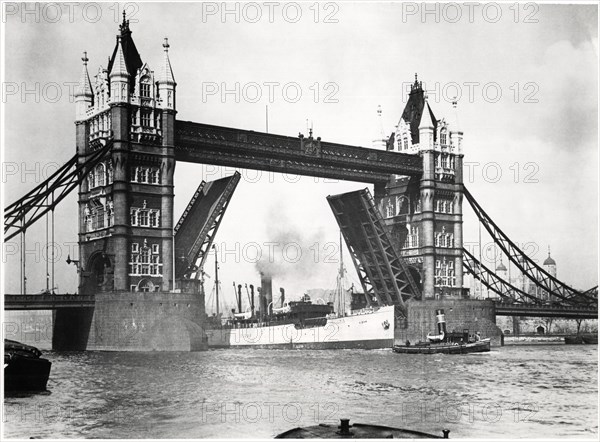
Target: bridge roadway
547,311
47,301
225,146
51,302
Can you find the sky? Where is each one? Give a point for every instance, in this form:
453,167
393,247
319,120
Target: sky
525,78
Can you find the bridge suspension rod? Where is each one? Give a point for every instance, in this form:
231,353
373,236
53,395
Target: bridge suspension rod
24,212
492,281
530,268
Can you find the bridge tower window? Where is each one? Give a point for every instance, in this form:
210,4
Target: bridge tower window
146,117
390,208
145,175
412,241
145,260
100,173
145,88
144,217
98,215
443,138
444,273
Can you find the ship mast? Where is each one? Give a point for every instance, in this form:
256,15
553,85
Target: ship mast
216,278
340,286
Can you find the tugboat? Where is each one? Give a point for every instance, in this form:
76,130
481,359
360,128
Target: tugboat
446,342
356,431
24,369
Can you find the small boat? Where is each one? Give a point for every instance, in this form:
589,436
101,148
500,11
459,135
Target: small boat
454,348
356,431
24,369
446,342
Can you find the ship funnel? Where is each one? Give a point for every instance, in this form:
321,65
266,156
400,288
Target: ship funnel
239,300
282,290
441,321
252,299
266,291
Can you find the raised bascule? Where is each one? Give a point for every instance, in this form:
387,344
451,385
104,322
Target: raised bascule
140,285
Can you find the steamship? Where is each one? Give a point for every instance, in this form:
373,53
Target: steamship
302,324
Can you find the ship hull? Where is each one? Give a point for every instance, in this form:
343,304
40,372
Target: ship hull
371,330
456,349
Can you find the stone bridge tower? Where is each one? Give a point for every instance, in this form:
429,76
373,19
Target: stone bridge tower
126,203
425,215
126,241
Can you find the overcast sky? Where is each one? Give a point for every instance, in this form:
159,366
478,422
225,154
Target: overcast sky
540,134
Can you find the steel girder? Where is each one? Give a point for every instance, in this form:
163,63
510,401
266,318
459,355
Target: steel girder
382,271
531,269
493,282
226,146
198,225
21,214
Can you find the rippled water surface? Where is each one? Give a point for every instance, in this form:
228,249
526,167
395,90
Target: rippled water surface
535,391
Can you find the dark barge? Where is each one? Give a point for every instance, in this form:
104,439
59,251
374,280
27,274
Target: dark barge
24,368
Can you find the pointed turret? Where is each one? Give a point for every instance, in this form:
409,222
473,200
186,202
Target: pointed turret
130,56
84,96
456,133
166,81
426,128
118,75
380,140
415,107
166,72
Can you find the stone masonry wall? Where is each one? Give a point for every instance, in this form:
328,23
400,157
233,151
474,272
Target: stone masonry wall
475,315
150,321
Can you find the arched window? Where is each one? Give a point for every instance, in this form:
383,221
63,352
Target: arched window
100,174
402,205
145,285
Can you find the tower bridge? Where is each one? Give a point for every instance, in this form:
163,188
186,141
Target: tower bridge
142,273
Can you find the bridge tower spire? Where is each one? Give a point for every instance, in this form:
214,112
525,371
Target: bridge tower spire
83,95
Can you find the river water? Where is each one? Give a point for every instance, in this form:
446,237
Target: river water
519,391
